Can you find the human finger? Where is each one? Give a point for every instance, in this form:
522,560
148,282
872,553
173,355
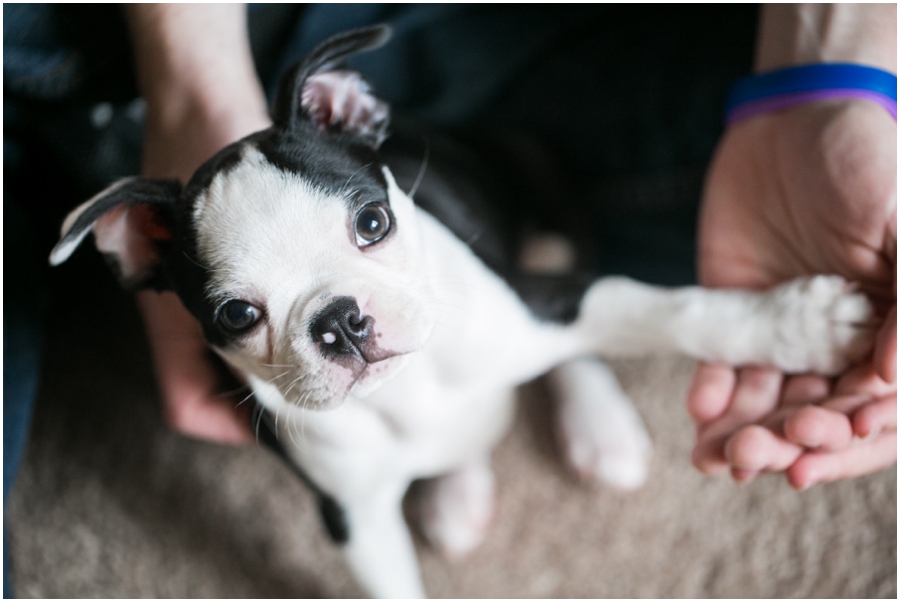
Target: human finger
875,417
755,395
756,448
189,377
857,460
740,475
885,359
710,391
863,379
210,419
805,389
817,427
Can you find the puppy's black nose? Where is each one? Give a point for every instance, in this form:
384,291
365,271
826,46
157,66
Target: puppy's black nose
340,327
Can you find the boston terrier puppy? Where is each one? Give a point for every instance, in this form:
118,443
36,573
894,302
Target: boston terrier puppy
384,338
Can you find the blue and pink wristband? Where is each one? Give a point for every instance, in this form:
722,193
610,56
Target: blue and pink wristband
775,90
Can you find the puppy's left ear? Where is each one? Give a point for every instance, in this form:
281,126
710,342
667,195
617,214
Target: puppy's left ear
335,100
131,220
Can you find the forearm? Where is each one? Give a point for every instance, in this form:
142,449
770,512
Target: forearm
798,34
194,59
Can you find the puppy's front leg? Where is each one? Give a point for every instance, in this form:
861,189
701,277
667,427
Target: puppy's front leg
380,551
816,323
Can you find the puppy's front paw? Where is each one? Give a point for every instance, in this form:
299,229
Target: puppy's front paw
819,324
602,434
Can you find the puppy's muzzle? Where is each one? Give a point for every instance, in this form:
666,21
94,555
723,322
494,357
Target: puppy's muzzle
342,331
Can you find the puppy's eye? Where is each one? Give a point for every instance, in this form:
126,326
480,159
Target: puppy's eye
238,316
373,222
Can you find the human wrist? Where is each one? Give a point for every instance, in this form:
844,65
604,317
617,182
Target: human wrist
217,95
795,34
230,112
179,137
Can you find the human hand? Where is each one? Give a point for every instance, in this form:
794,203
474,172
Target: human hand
813,430
201,94
193,402
811,189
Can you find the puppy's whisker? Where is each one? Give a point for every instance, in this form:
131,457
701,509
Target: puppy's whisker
304,400
198,264
344,188
302,424
259,417
293,383
241,402
451,327
277,413
445,305
415,187
226,394
292,435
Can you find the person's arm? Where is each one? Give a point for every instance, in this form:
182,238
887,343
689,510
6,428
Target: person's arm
807,189
196,74
800,34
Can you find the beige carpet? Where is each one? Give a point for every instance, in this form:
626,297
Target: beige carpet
110,504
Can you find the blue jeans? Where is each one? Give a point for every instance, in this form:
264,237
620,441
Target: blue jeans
625,100
23,309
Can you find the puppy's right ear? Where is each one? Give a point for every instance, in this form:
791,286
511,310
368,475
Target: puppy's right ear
130,220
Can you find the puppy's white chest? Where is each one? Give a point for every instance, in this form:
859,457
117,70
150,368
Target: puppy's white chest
411,428
441,426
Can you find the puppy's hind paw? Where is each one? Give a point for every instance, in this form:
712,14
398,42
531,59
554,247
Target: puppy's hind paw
602,435
622,465
458,509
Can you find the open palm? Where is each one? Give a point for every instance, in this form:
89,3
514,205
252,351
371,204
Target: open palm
807,190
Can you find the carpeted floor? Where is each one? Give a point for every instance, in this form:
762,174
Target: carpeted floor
110,504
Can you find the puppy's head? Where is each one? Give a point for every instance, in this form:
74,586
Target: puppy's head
293,247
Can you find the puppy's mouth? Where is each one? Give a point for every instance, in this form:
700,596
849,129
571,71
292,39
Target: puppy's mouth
371,368
364,360
360,374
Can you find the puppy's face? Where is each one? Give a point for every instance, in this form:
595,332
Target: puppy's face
294,248
315,288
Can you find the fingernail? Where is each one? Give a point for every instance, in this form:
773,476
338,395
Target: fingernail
869,436
799,486
741,476
810,445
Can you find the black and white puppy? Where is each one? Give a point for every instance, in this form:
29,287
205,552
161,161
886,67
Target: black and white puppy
385,345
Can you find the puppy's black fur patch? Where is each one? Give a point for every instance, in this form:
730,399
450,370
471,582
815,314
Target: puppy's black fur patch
334,162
